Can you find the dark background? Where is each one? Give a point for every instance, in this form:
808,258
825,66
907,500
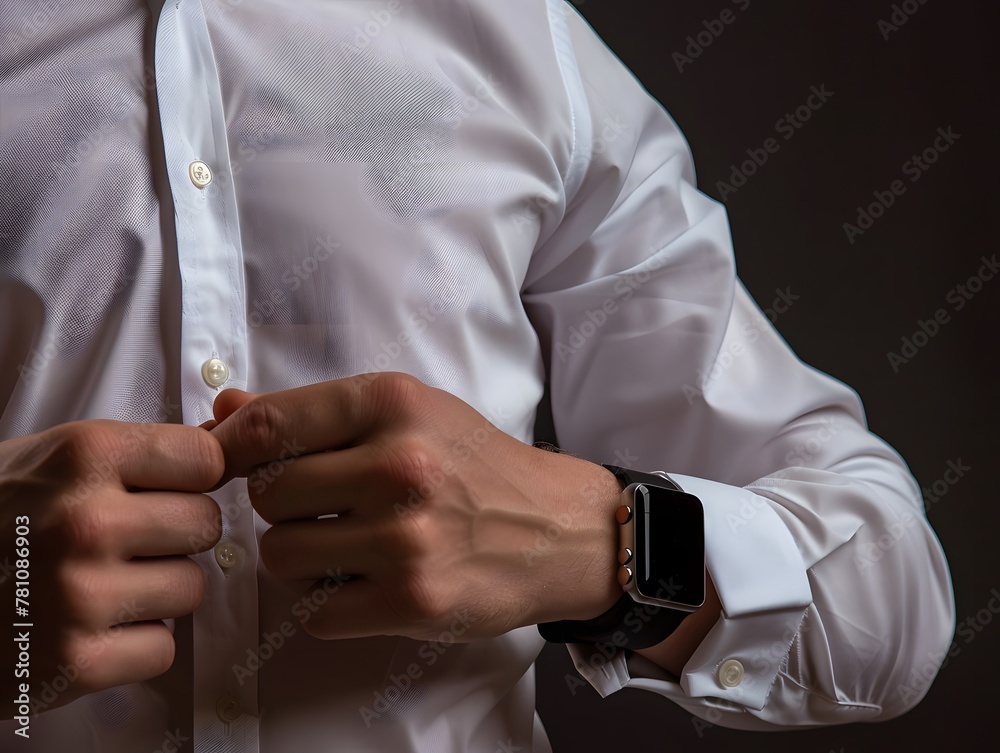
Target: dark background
856,301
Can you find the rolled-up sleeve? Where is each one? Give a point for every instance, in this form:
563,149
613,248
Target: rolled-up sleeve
836,599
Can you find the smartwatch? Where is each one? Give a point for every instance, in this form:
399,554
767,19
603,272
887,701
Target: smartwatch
661,553
661,566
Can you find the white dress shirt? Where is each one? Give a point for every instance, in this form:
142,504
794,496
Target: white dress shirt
264,194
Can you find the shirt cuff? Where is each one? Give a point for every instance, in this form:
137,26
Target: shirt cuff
762,583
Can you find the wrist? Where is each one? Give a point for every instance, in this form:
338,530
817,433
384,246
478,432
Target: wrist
660,564
581,580
603,591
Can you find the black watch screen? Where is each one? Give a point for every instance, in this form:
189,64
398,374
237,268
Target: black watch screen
670,544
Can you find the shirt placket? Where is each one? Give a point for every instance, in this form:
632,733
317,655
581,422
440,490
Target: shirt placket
213,356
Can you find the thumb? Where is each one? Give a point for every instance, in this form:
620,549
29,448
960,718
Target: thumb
229,401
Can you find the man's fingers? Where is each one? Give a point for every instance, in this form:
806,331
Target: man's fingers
99,597
166,586
143,524
323,483
228,402
309,550
324,416
354,609
122,655
155,524
161,456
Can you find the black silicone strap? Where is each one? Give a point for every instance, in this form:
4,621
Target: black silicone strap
628,624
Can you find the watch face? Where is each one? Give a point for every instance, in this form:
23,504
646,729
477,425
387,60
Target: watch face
670,545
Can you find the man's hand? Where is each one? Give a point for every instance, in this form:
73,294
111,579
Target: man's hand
438,512
110,509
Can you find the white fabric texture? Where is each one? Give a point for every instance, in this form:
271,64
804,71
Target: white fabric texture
479,194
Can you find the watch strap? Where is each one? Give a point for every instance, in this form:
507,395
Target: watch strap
628,624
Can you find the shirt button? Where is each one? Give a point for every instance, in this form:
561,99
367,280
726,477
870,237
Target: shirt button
228,709
227,554
215,372
200,173
731,673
